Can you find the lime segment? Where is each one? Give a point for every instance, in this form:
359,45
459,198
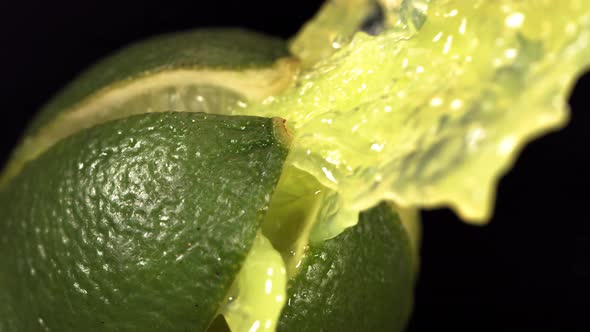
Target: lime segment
139,224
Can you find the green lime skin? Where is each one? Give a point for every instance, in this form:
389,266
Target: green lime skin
361,280
139,224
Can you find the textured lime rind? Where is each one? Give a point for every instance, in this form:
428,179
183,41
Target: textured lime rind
139,224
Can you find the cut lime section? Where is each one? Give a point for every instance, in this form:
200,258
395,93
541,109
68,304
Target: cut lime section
212,71
131,225
433,116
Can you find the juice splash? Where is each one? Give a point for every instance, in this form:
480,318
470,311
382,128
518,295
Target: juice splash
433,110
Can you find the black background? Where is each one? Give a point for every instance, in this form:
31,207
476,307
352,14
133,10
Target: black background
526,271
